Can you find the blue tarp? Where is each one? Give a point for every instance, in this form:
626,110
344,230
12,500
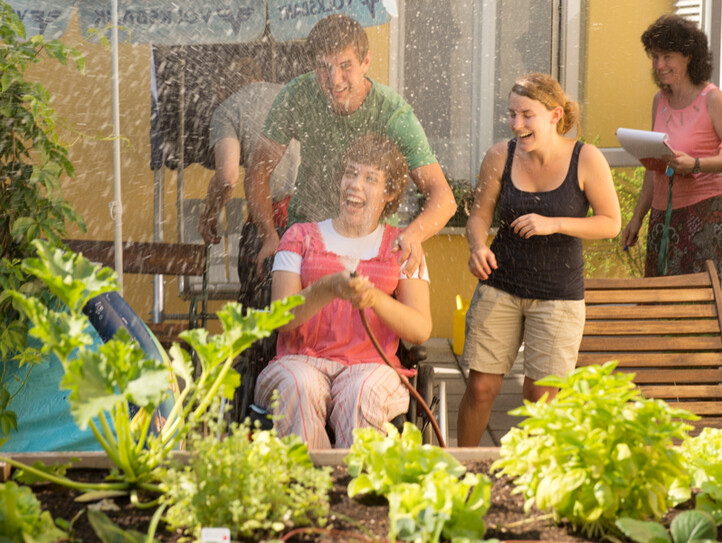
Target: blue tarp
44,419
43,411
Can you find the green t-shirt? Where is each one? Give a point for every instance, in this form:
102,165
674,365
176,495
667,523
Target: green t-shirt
301,111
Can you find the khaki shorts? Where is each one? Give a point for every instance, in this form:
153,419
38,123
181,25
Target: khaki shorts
497,323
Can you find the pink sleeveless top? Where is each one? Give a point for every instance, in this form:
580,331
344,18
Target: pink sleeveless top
690,130
336,332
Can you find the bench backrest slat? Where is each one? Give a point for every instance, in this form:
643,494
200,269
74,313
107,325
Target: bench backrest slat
665,330
660,360
656,311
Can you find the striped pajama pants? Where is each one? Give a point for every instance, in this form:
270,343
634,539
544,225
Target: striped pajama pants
316,392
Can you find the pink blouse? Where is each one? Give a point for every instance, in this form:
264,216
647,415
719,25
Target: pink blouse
336,332
690,130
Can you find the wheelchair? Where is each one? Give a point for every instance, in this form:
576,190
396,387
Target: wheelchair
254,359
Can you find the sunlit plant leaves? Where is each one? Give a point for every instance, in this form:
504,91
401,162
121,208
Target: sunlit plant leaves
703,454
427,500
266,484
597,451
69,276
62,332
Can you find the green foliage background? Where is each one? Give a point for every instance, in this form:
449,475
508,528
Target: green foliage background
32,162
608,258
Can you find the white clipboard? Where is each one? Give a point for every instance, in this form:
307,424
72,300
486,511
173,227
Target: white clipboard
646,146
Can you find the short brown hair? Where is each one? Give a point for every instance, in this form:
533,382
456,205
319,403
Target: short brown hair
335,33
380,152
547,90
675,34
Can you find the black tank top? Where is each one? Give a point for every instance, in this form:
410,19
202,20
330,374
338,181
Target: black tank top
542,267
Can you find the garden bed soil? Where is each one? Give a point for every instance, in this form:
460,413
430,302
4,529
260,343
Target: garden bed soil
505,519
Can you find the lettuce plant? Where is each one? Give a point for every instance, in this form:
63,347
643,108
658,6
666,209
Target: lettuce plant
104,381
21,518
597,451
427,500
377,462
257,487
704,457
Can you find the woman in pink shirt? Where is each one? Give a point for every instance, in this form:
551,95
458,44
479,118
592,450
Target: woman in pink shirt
689,109
326,371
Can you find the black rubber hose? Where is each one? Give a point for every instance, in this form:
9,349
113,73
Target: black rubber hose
404,380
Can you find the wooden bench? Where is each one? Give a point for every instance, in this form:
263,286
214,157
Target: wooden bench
667,330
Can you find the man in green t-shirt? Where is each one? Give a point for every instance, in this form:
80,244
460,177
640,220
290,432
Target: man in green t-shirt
325,110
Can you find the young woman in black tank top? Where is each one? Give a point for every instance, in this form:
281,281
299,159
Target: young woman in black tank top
531,283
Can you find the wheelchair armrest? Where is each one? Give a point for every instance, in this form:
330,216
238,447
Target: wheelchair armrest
411,355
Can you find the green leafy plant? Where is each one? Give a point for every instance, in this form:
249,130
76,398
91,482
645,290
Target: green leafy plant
687,527
32,162
427,500
464,197
21,518
104,381
703,454
258,486
597,451
609,257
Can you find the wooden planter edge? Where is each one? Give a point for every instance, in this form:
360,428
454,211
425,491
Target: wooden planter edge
327,457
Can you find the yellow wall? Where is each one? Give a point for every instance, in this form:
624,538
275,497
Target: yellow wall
618,86
448,256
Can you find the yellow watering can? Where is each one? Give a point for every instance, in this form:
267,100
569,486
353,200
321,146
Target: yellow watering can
459,325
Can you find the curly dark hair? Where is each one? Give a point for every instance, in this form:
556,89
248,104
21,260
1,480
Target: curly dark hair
675,34
381,153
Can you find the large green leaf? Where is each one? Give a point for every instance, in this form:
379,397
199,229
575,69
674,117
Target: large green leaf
643,531
239,331
70,276
117,372
691,526
56,330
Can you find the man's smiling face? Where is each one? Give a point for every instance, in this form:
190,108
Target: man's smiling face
342,77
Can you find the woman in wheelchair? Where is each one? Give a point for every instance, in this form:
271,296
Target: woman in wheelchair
327,372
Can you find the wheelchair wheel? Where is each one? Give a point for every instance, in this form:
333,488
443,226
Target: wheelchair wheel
250,364
425,387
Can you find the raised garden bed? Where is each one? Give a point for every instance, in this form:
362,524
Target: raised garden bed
506,509
505,520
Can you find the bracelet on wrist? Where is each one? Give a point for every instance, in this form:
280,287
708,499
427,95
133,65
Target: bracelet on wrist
697,167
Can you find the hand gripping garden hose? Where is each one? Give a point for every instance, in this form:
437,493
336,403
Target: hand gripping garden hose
404,380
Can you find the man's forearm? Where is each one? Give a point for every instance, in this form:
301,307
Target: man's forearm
219,192
258,195
257,184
